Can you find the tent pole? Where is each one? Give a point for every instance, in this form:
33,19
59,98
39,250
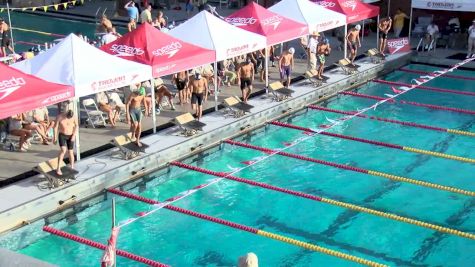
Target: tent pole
377,33
389,7
78,145
362,32
266,62
113,226
410,25
216,86
346,41
11,27
154,105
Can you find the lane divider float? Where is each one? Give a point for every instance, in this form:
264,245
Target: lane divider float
376,143
443,74
98,245
39,32
329,201
428,88
249,229
459,110
405,123
355,169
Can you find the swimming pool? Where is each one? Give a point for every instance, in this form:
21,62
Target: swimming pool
181,240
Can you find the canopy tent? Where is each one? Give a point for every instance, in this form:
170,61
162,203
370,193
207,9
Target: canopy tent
164,53
227,41
449,5
317,18
276,28
20,92
354,10
86,68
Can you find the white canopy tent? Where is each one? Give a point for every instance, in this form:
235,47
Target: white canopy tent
226,40
316,17
86,68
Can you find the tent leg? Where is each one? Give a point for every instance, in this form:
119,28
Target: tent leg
389,7
11,27
266,63
362,32
78,145
410,26
346,42
216,86
154,106
377,33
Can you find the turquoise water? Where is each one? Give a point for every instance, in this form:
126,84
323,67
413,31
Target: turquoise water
181,240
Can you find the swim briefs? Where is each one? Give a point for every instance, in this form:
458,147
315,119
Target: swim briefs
197,98
245,82
65,140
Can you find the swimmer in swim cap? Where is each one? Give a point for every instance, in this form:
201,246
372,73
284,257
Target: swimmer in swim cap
354,42
286,64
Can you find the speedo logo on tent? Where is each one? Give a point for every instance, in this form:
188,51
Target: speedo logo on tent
350,4
126,51
274,20
9,86
241,21
56,98
170,50
326,4
398,43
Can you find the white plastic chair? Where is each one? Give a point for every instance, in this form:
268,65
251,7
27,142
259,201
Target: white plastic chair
115,98
95,117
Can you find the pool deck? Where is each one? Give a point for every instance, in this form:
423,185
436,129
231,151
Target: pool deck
23,202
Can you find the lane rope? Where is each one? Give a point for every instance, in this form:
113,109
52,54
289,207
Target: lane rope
98,245
355,169
39,32
249,229
376,143
444,75
329,201
459,110
428,88
405,123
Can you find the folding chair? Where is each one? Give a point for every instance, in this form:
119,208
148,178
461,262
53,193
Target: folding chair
279,92
235,107
347,67
48,169
115,98
127,146
95,117
375,56
188,124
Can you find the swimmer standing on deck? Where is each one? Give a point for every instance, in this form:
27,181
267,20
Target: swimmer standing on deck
133,108
199,94
245,75
65,135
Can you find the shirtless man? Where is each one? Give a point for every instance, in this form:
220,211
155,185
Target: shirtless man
323,50
106,24
161,91
5,39
65,134
354,42
245,75
181,80
133,109
199,87
286,64
384,27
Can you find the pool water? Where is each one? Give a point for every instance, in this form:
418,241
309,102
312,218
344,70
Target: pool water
181,240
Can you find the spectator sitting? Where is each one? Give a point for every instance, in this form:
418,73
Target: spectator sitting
159,22
132,25
229,73
248,260
41,116
16,128
432,30
161,90
105,106
29,124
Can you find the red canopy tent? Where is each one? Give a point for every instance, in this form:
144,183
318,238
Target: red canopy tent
275,28
355,10
20,92
166,54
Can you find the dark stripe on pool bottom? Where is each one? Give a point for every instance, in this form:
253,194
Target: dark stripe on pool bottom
213,258
455,220
269,221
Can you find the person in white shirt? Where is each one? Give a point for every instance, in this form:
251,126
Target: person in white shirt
432,30
146,15
312,51
471,40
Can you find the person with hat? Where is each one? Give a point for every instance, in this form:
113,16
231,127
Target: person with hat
312,51
286,64
471,40
323,50
354,42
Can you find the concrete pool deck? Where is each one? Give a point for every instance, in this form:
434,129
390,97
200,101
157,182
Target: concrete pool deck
23,202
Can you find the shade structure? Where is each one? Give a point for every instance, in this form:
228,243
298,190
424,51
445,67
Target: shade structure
450,5
314,16
276,28
210,32
164,53
86,68
354,10
20,92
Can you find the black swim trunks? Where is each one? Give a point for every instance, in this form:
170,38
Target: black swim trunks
197,98
65,140
383,35
245,83
353,45
180,84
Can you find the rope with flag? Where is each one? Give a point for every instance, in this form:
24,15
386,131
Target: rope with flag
44,7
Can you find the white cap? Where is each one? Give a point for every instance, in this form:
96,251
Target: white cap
291,50
358,27
248,260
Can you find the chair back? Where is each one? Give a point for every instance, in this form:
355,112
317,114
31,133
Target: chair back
116,99
89,102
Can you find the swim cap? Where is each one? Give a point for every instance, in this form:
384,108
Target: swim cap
197,76
326,41
358,27
248,60
141,90
69,114
291,50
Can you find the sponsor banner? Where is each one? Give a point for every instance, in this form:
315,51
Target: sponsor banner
399,45
327,25
168,50
9,86
239,50
457,5
116,82
160,70
57,98
126,51
239,21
